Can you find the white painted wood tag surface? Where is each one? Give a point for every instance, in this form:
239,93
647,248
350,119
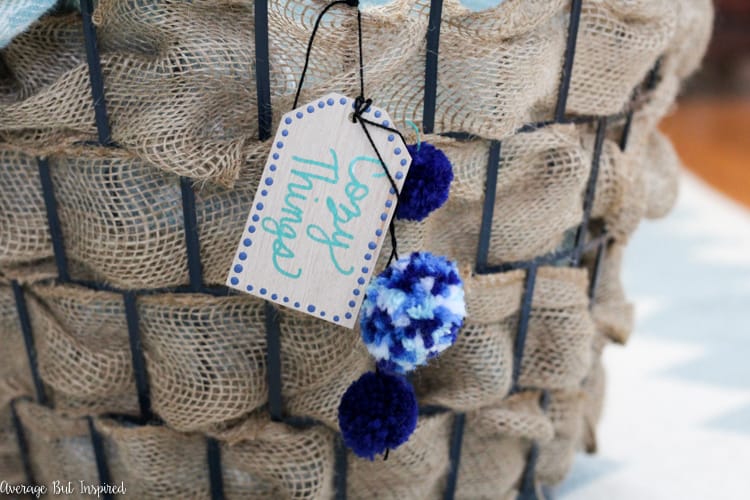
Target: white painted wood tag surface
321,212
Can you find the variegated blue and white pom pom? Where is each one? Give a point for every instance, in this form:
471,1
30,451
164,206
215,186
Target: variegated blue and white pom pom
413,311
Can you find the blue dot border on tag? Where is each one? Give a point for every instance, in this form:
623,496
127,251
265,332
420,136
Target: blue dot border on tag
267,181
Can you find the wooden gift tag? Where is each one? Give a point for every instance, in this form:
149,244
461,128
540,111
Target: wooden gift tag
321,212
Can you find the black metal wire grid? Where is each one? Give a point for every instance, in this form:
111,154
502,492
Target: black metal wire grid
568,256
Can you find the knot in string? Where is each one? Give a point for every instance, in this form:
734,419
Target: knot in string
361,105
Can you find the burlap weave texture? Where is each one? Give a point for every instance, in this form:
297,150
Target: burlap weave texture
180,88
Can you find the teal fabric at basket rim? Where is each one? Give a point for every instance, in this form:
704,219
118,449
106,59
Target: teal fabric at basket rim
17,15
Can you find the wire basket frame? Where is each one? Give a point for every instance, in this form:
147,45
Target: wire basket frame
569,256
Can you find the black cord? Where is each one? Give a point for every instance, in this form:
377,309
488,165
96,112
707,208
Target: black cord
361,58
351,3
360,106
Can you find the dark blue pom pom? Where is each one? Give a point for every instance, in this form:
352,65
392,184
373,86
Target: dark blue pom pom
428,183
378,412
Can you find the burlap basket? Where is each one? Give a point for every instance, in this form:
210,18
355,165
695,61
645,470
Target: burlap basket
498,439
499,70
502,412
477,370
611,311
120,215
206,355
156,462
418,472
273,461
10,464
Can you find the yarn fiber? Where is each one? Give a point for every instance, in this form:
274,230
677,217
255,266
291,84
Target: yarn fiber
378,412
428,183
413,311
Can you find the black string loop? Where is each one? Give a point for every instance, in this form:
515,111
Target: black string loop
361,105
351,3
361,57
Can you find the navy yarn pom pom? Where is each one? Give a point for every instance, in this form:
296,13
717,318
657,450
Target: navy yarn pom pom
428,183
378,412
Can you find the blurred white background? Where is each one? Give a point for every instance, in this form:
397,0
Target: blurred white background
676,422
